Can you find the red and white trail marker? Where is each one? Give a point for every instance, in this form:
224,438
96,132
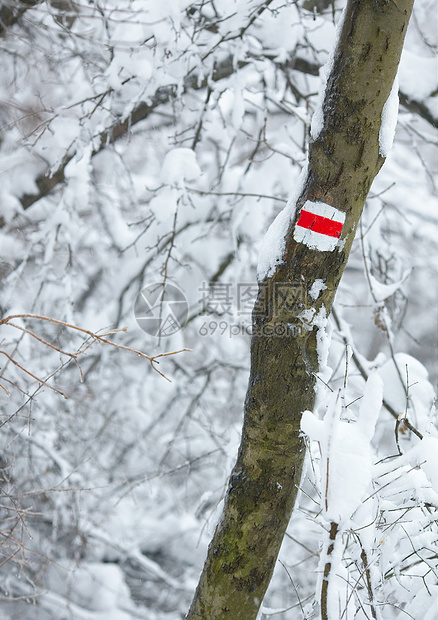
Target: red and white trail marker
319,226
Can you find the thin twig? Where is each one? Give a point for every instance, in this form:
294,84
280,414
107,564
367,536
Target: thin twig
364,558
243,194
11,359
95,338
327,568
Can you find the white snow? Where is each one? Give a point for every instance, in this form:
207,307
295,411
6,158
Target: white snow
323,338
383,291
346,465
273,244
428,455
93,586
412,377
370,405
11,248
423,457
137,62
424,605
232,102
418,75
389,120
312,427
316,288
317,122
180,165
306,317
281,31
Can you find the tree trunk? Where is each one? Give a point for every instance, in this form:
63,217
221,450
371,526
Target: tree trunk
343,161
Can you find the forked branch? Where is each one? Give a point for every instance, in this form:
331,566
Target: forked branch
88,342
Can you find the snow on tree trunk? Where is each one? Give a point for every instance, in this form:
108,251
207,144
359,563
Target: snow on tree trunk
310,242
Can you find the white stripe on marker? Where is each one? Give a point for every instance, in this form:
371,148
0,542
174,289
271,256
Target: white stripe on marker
319,226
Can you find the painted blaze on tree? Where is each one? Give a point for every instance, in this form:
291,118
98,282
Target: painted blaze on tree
312,244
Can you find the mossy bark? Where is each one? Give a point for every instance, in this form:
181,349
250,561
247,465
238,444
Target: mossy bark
343,162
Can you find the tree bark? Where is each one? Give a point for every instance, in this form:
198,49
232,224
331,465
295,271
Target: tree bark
343,161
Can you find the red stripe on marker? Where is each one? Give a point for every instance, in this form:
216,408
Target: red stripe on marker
320,224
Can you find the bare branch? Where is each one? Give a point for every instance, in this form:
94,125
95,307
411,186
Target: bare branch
165,94
327,570
153,359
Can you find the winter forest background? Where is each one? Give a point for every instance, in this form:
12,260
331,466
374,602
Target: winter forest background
144,142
